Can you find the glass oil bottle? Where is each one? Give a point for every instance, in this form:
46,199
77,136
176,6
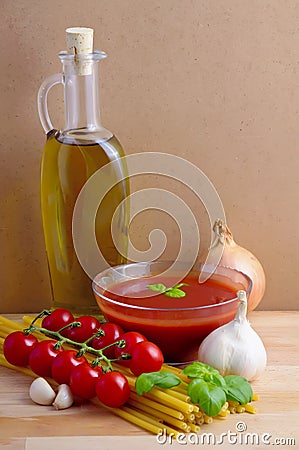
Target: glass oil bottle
71,156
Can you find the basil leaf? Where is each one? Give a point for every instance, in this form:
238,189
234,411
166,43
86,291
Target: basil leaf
200,370
175,293
146,381
157,287
218,380
194,390
167,379
238,389
180,285
211,398
143,384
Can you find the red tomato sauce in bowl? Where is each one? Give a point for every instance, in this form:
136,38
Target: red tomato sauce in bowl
176,325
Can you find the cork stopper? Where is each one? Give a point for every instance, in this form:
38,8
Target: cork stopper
79,41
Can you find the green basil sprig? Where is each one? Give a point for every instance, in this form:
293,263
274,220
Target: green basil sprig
210,397
174,291
163,379
238,389
208,388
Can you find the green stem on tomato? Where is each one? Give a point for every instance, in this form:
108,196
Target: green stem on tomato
97,362
45,312
83,346
70,325
99,333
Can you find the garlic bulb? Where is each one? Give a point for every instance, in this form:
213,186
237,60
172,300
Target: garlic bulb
235,348
64,398
41,392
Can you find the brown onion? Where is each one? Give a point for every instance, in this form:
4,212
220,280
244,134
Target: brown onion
237,257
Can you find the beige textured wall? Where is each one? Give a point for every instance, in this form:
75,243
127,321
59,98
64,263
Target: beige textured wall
214,81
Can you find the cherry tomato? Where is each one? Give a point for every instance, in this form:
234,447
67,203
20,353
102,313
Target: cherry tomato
89,326
146,357
42,356
132,338
57,319
113,389
64,363
112,334
83,380
17,347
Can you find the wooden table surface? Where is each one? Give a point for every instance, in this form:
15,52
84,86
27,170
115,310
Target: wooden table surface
24,425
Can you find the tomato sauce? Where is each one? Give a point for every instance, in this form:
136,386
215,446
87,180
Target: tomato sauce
176,325
136,292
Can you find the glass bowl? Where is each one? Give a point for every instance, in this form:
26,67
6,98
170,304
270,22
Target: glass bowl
176,325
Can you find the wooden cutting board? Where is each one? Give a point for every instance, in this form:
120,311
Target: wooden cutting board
24,425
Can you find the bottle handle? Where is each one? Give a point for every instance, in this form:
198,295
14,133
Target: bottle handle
42,97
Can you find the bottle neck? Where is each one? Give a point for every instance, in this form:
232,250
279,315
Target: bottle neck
81,98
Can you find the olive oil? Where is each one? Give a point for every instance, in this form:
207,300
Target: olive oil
66,166
71,156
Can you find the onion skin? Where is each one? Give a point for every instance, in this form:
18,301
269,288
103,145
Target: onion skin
237,257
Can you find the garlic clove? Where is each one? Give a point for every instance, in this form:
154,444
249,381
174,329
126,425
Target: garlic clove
64,398
41,392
